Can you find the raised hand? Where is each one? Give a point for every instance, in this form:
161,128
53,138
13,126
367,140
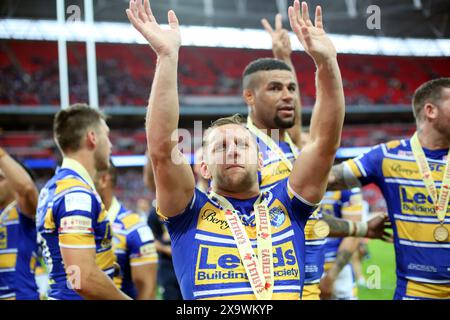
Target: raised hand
163,42
281,44
313,38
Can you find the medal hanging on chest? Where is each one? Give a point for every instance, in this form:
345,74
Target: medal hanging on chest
440,201
259,268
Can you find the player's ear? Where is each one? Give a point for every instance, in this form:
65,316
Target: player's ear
249,97
91,138
204,170
430,111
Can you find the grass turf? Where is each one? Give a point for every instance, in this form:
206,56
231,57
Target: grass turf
381,262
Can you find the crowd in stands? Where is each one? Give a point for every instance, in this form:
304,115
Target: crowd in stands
30,74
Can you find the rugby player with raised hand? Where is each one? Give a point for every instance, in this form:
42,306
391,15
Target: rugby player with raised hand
243,252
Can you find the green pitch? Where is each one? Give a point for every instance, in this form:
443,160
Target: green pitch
379,271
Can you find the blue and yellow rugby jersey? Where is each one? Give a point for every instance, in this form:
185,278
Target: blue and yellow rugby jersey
133,244
207,261
18,248
70,214
337,203
274,171
423,264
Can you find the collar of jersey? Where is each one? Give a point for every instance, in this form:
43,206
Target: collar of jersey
114,210
74,165
437,154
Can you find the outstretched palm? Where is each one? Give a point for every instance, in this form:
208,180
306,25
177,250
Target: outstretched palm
163,42
313,38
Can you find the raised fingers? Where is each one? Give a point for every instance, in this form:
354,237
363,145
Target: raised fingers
293,20
305,14
148,10
318,18
267,25
131,14
173,20
142,15
278,22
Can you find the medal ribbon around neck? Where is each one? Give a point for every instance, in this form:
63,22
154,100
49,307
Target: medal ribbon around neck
272,145
441,203
259,269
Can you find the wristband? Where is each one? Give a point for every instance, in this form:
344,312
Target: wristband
361,229
351,228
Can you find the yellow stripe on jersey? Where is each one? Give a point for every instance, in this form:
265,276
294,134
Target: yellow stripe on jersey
213,220
422,232
8,260
105,260
327,266
354,168
416,201
274,172
12,215
65,184
130,220
49,223
77,240
3,237
103,214
427,290
33,262
118,281
120,241
311,292
395,168
393,144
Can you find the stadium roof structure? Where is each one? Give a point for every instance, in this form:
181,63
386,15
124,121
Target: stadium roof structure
399,18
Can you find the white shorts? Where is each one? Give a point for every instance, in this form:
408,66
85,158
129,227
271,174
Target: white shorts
345,285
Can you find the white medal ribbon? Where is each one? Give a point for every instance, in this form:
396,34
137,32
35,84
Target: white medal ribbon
259,268
441,202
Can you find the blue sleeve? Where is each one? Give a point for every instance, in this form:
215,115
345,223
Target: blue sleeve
185,221
299,209
368,166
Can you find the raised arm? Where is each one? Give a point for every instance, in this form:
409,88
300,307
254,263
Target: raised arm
309,177
21,184
174,179
282,50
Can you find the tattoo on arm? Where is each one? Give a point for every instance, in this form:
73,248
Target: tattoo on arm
338,227
336,181
342,258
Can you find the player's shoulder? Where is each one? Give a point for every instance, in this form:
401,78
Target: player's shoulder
395,147
64,183
129,220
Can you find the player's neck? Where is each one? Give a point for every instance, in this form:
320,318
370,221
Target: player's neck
277,134
86,160
107,198
242,195
431,139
